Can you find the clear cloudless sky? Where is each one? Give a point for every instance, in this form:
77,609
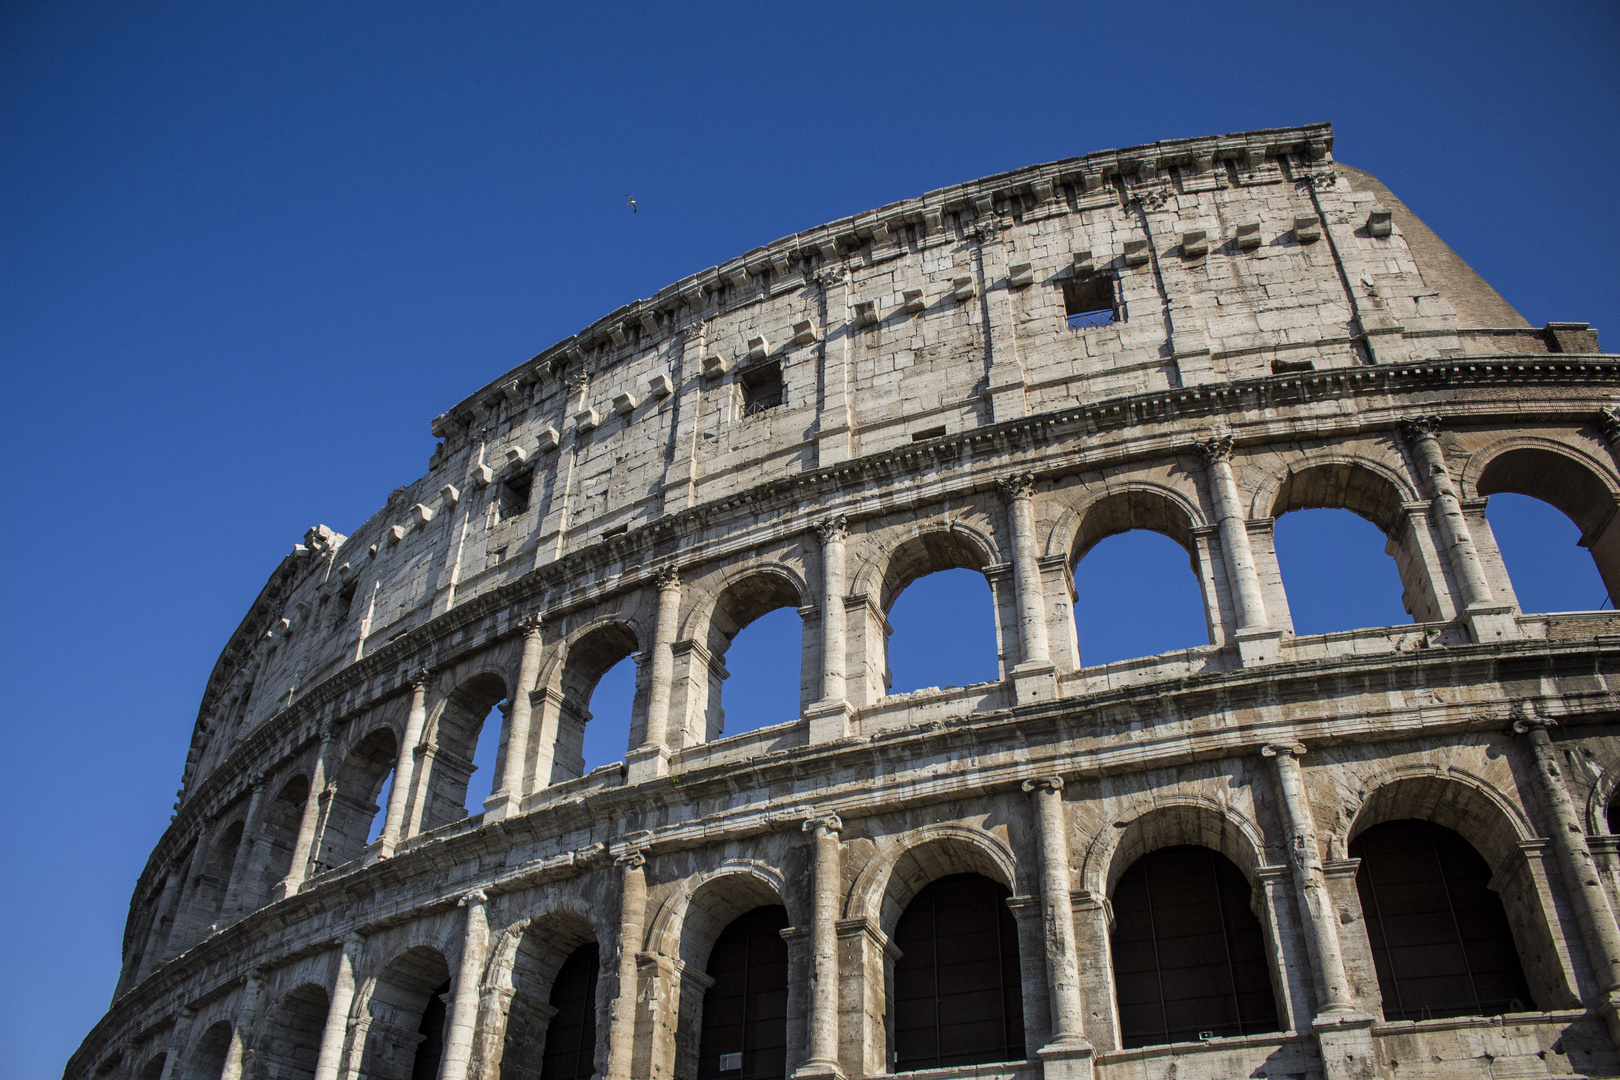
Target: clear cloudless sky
248,251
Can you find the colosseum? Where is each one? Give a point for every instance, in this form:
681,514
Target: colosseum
1381,852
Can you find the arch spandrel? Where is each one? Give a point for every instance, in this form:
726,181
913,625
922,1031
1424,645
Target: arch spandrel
1467,803
901,864
1158,820
777,576
887,559
689,916
1091,514
1368,480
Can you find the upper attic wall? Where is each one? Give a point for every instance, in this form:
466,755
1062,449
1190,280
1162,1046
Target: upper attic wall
1478,305
1227,258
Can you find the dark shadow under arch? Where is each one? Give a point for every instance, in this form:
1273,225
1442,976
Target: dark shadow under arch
290,1039
1189,951
745,1005
461,719
407,1007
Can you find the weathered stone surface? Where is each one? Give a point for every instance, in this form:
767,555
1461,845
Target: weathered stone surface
815,425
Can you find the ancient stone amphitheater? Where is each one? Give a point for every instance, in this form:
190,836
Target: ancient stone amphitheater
1378,852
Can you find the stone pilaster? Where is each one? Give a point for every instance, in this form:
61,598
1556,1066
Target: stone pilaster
1068,1054
1257,640
1487,619
405,765
308,822
513,785
1581,879
335,1034
622,1010
828,875
1034,676
458,1040
238,1055
829,717
651,759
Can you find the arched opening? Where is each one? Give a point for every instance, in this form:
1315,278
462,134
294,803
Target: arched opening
214,882
600,682
941,613
290,1040
357,799
467,711
571,1037
1572,487
550,1031
405,1039
1130,595
207,1058
756,646
1440,937
744,1032
1346,561
153,1069
1189,952
958,991
1540,550
281,823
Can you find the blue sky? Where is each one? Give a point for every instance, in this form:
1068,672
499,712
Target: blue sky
247,252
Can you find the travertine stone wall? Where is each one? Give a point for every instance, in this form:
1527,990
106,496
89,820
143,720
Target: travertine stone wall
642,490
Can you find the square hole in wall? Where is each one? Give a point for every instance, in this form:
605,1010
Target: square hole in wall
1089,301
513,498
762,387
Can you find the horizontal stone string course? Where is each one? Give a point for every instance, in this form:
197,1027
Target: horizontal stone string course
1117,867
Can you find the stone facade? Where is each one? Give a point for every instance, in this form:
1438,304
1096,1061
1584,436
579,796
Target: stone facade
815,425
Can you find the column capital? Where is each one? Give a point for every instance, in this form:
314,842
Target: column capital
529,625
1293,750
1043,783
667,578
630,860
1525,725
1216,448
1017,486
832,528
353,942
257,779
1609,424
1418,427
829,821
420,678
326,731
475,898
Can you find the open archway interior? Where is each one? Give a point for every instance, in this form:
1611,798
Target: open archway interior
468,712
290,1040
1337,573
206,907
550,1027
405,1038
1137,594
1542,550
1440,938
744,1032
353,816
153,1069
600,689
281,823
958,985
1189,953
943,632
571,1035
207,1058
485,758
763,685
756,645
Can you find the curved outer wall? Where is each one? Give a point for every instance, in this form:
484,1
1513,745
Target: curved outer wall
814,425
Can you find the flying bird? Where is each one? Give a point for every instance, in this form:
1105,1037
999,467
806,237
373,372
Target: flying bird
632,201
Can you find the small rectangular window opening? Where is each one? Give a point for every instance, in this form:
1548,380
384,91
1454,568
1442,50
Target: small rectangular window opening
1089,301
762,388
928,433
513,499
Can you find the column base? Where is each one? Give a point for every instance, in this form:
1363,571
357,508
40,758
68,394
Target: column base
501,805
1609,1011
1346,1044
829,721
1066,1060
1488,623
1034,682
646,763
1259,645
818,1070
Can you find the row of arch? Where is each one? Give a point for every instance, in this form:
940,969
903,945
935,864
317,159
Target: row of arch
1190,932
222,876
